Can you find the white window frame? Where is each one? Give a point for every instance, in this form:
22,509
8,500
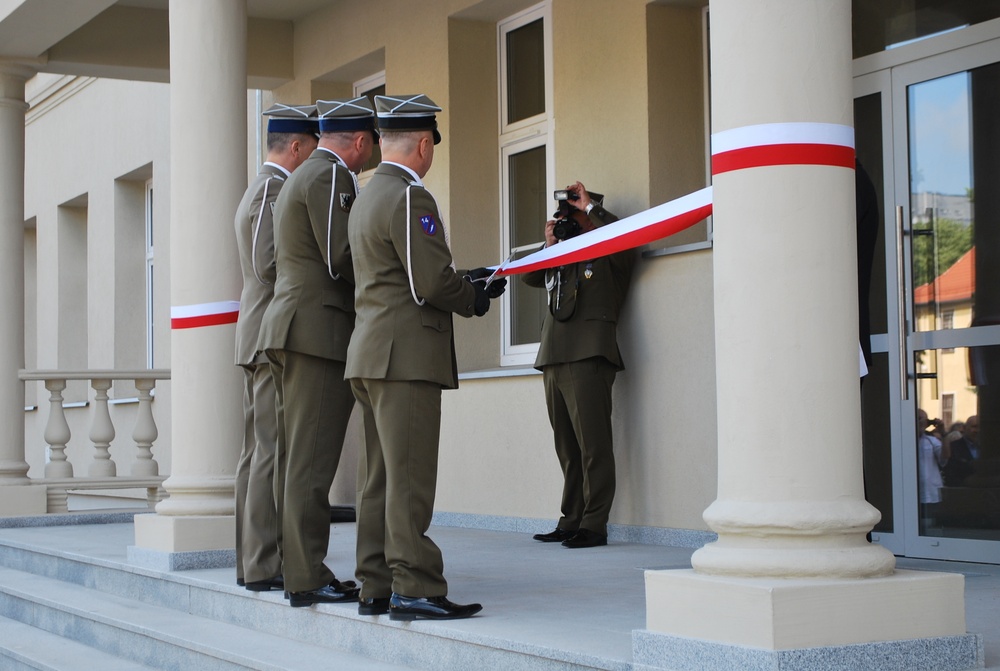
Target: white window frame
360,87
149,273
536,131
368,83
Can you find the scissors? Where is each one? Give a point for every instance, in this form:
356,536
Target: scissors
493,275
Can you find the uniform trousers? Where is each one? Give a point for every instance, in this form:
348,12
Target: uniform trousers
397,478
578,396
258,531
314,405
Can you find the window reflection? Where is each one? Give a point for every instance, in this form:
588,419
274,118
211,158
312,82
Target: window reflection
879,25
941,199
958,462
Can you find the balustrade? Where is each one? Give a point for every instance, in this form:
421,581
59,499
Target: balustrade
102,471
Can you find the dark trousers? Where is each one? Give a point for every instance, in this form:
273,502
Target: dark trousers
258,529
397,478
314,405
578,396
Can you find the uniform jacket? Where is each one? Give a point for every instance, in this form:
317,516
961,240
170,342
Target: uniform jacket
960,465
404,327
312,311
582,317
255,242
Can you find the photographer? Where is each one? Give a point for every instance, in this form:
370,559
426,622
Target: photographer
579,359
932,455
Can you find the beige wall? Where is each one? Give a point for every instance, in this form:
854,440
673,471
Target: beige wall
90,147
628,120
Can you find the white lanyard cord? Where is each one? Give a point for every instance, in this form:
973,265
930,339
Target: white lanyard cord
256,232
329,223
409,266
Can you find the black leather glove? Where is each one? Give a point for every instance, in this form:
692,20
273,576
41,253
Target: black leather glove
478,274
482,304
497,287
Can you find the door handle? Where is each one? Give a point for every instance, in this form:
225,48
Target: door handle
904,391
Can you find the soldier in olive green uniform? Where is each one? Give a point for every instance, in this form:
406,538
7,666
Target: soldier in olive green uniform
579,359
291,137
401,356
305,333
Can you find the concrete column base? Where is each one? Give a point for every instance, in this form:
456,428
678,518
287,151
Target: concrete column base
167,533
908,620
16,500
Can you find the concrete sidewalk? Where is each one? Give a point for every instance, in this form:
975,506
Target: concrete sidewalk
583,603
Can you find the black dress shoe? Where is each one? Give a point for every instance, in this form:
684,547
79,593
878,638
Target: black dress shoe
376,605
429,607
585,538
343,585
241,582
277,582
325,594
557,536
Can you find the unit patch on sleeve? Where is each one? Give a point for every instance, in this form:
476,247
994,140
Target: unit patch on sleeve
345,201
428,224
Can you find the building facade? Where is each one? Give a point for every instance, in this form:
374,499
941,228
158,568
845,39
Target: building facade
739,400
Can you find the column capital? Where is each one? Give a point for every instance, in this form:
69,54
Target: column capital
17,69
13,74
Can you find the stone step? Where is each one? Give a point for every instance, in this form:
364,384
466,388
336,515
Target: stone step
156,636
27,648
444,646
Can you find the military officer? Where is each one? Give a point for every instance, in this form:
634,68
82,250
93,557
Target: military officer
292,132
401,356
305,333
579,358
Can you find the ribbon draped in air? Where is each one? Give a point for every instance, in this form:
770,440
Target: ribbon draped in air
736,149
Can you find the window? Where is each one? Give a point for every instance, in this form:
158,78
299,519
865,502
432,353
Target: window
371,86
527,167
947,410
149,274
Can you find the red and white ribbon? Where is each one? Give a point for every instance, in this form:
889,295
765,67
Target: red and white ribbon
204,314
783,144
737,149
634,231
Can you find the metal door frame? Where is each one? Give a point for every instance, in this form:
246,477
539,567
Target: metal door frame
913,64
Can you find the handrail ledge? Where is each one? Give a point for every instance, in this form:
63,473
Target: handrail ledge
96,374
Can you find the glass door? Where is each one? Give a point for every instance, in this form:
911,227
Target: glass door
928,134
946,195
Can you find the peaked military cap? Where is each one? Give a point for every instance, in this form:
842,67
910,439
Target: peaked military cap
292,119
408,113
346,115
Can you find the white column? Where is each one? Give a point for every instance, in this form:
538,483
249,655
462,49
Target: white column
207,178
17,497
791,568
791,499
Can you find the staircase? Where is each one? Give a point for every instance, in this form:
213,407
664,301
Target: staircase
71,610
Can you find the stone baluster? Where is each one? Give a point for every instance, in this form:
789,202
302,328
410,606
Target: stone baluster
102,431
145,430
57,433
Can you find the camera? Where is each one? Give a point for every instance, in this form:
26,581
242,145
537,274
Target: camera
565,227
